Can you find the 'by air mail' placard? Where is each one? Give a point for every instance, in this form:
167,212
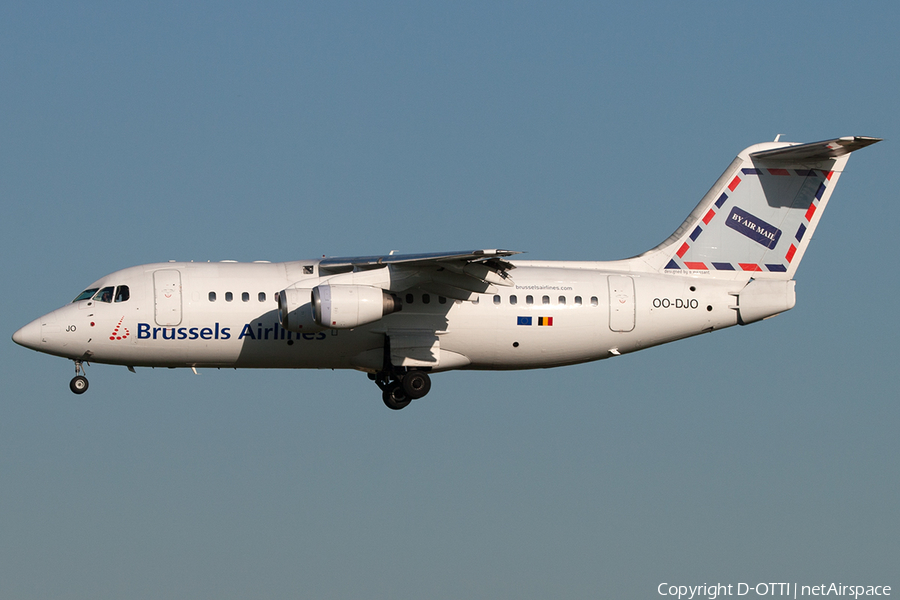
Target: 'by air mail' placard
753,227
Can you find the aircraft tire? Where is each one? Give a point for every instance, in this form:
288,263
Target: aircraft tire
79,384
416,384
395,397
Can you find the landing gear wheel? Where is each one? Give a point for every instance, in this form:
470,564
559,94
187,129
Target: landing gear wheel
395,397
79,384
416,384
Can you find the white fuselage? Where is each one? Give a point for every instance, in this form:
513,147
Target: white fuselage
400,317
226,315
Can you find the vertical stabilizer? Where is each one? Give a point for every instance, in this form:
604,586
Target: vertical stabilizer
760,215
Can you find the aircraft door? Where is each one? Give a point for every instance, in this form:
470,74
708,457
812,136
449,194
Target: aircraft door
167,297
621,303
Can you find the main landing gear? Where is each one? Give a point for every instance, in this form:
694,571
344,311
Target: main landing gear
79,383
399,389
399,385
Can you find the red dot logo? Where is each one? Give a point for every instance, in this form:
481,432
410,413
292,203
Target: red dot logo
120,332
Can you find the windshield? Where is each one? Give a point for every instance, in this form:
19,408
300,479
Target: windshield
104,295
86,295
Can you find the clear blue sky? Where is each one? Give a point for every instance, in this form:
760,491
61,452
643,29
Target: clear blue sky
277,131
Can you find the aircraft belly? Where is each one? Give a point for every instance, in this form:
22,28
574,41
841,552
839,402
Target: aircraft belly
511,349
323,350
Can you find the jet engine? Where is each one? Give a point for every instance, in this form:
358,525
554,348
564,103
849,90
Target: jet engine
295,310
349,306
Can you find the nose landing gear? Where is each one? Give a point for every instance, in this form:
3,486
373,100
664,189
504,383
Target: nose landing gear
79,383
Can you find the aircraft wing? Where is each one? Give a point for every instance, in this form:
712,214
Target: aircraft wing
451,274
344,264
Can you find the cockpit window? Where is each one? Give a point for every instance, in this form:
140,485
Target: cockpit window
86,295
104,295
122,293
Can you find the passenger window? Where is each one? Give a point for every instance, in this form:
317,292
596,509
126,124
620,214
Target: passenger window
426,298
229,296
529,300
497,299
545,300
594,301
262,296
409,298
212,296
104,295
476,300
86,295
245,297
442,300
513,300
577,300
562,300
122,293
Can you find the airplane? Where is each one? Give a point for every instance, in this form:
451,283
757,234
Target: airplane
403,317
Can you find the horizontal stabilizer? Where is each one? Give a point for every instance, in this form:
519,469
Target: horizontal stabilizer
816,151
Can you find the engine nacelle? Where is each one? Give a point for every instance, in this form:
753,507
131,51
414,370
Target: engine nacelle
349,306
295,310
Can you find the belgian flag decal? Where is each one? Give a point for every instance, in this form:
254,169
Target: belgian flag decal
545,321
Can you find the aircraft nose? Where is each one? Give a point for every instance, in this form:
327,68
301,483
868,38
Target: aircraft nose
29,336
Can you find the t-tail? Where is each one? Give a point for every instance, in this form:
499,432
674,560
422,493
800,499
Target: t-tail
760,215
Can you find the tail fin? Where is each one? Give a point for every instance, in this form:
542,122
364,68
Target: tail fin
760,214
